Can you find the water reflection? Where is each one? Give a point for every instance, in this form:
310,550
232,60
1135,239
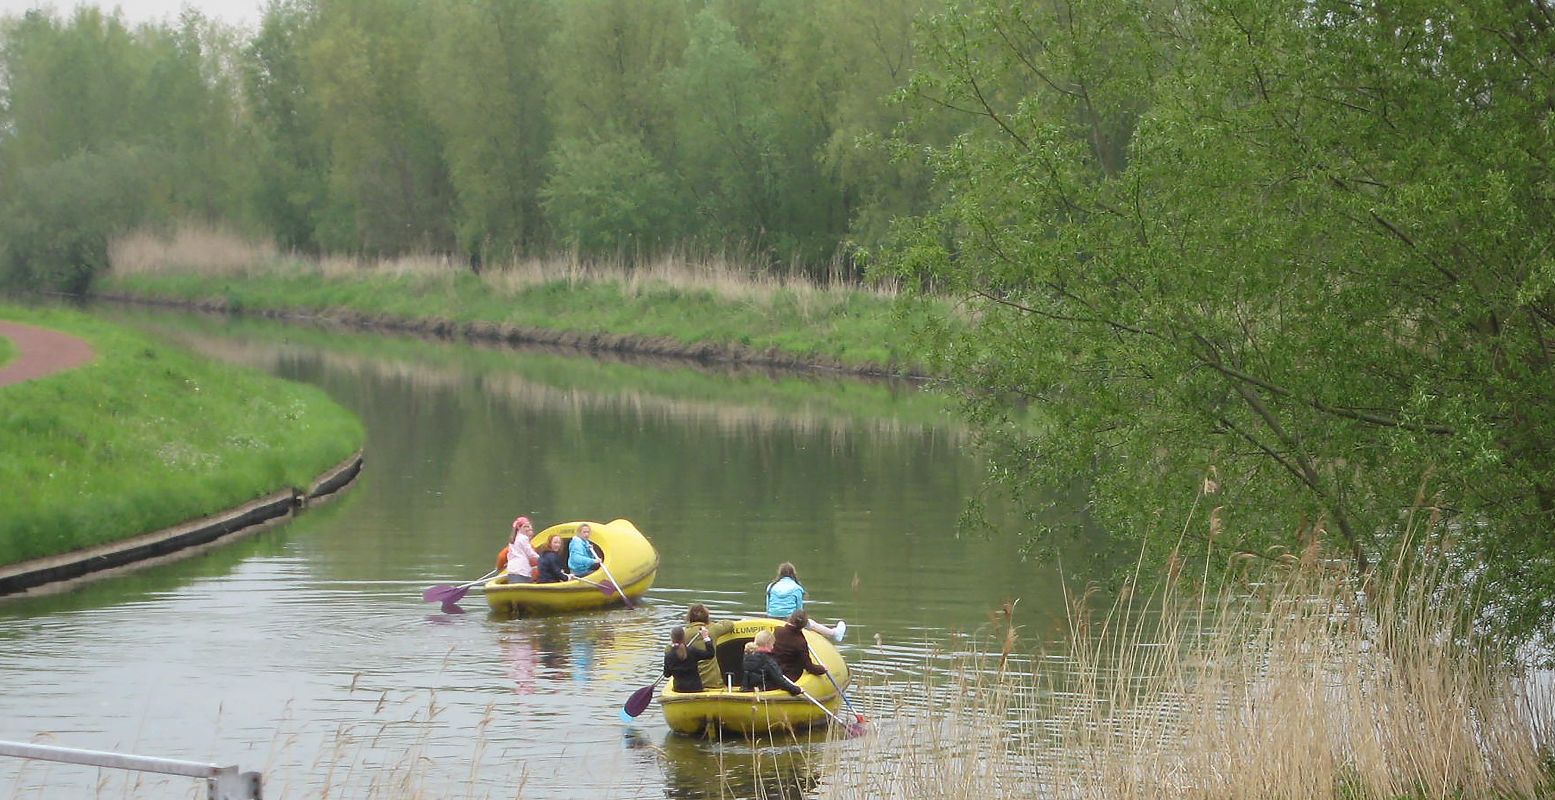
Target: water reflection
697,769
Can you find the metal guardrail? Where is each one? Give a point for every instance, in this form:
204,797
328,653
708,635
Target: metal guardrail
222,783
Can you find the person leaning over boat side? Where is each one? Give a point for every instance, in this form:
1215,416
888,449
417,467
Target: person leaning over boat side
519,557
681,662
580,554
697,621
792,651
761,671
785,595
553,562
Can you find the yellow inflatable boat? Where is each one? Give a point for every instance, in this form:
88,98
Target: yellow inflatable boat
628,558
757,713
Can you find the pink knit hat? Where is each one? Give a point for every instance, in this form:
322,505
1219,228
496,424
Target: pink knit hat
520,522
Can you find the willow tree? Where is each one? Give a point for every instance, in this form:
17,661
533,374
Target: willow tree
1298,253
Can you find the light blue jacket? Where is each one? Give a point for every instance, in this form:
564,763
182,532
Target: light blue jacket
580,557
784,597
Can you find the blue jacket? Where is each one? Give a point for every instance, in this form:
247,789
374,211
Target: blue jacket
580,557
784,597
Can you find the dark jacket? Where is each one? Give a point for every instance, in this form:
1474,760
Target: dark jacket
683,671
793,653
553,567
762,673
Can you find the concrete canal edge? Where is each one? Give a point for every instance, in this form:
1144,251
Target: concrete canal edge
66,569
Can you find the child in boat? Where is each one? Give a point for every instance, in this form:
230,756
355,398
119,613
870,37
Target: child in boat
553,562
703,632
761,669
680,661
785,596
519,557
580,554
791,651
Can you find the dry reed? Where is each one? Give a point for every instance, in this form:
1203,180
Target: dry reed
215,252
1300,684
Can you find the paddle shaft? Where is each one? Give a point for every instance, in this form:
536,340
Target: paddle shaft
836,685
616,583
824,709
844,696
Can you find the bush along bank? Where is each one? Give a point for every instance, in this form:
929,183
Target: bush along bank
148,436
692,313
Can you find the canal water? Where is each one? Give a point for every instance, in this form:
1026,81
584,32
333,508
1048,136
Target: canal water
306,651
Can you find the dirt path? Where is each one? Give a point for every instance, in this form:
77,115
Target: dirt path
40,352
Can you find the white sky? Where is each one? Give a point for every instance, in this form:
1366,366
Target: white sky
232,12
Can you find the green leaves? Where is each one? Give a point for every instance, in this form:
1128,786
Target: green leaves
1302,250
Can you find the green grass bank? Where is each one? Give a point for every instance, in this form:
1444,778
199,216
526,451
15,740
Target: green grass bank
705,308
147,436
7,351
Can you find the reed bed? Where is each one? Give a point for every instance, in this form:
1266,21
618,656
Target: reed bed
732,277
1294,681
697,305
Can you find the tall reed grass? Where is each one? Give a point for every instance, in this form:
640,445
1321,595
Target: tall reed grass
216,252
703,305
1293,681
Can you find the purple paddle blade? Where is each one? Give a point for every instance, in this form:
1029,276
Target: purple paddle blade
638,701
436,593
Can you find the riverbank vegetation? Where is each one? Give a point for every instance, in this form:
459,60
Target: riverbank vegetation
1292,681
1297,251
705,307
147,436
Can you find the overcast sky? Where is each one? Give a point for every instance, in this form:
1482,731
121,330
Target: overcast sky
234,12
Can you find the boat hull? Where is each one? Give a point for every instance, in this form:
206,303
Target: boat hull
757,713
627,554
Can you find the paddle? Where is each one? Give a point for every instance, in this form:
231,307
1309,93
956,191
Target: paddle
845,700
840,692
851,730
624,598
449,595
639,700
607,588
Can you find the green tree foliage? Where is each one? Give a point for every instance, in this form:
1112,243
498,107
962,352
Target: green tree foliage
488,129
389,189
1300,249
104,128
610,198
485,86
291,153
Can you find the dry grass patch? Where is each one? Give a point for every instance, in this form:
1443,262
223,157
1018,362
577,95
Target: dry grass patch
1294,682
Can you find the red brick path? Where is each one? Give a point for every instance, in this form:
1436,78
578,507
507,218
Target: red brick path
40,352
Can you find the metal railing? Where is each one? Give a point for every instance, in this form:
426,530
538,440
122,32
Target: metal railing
222,783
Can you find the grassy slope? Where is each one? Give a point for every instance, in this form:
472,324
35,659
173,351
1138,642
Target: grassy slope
148,436
7,351
856,328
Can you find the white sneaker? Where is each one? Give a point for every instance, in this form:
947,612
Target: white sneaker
839,630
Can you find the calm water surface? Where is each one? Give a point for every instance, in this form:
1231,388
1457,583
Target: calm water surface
306,651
